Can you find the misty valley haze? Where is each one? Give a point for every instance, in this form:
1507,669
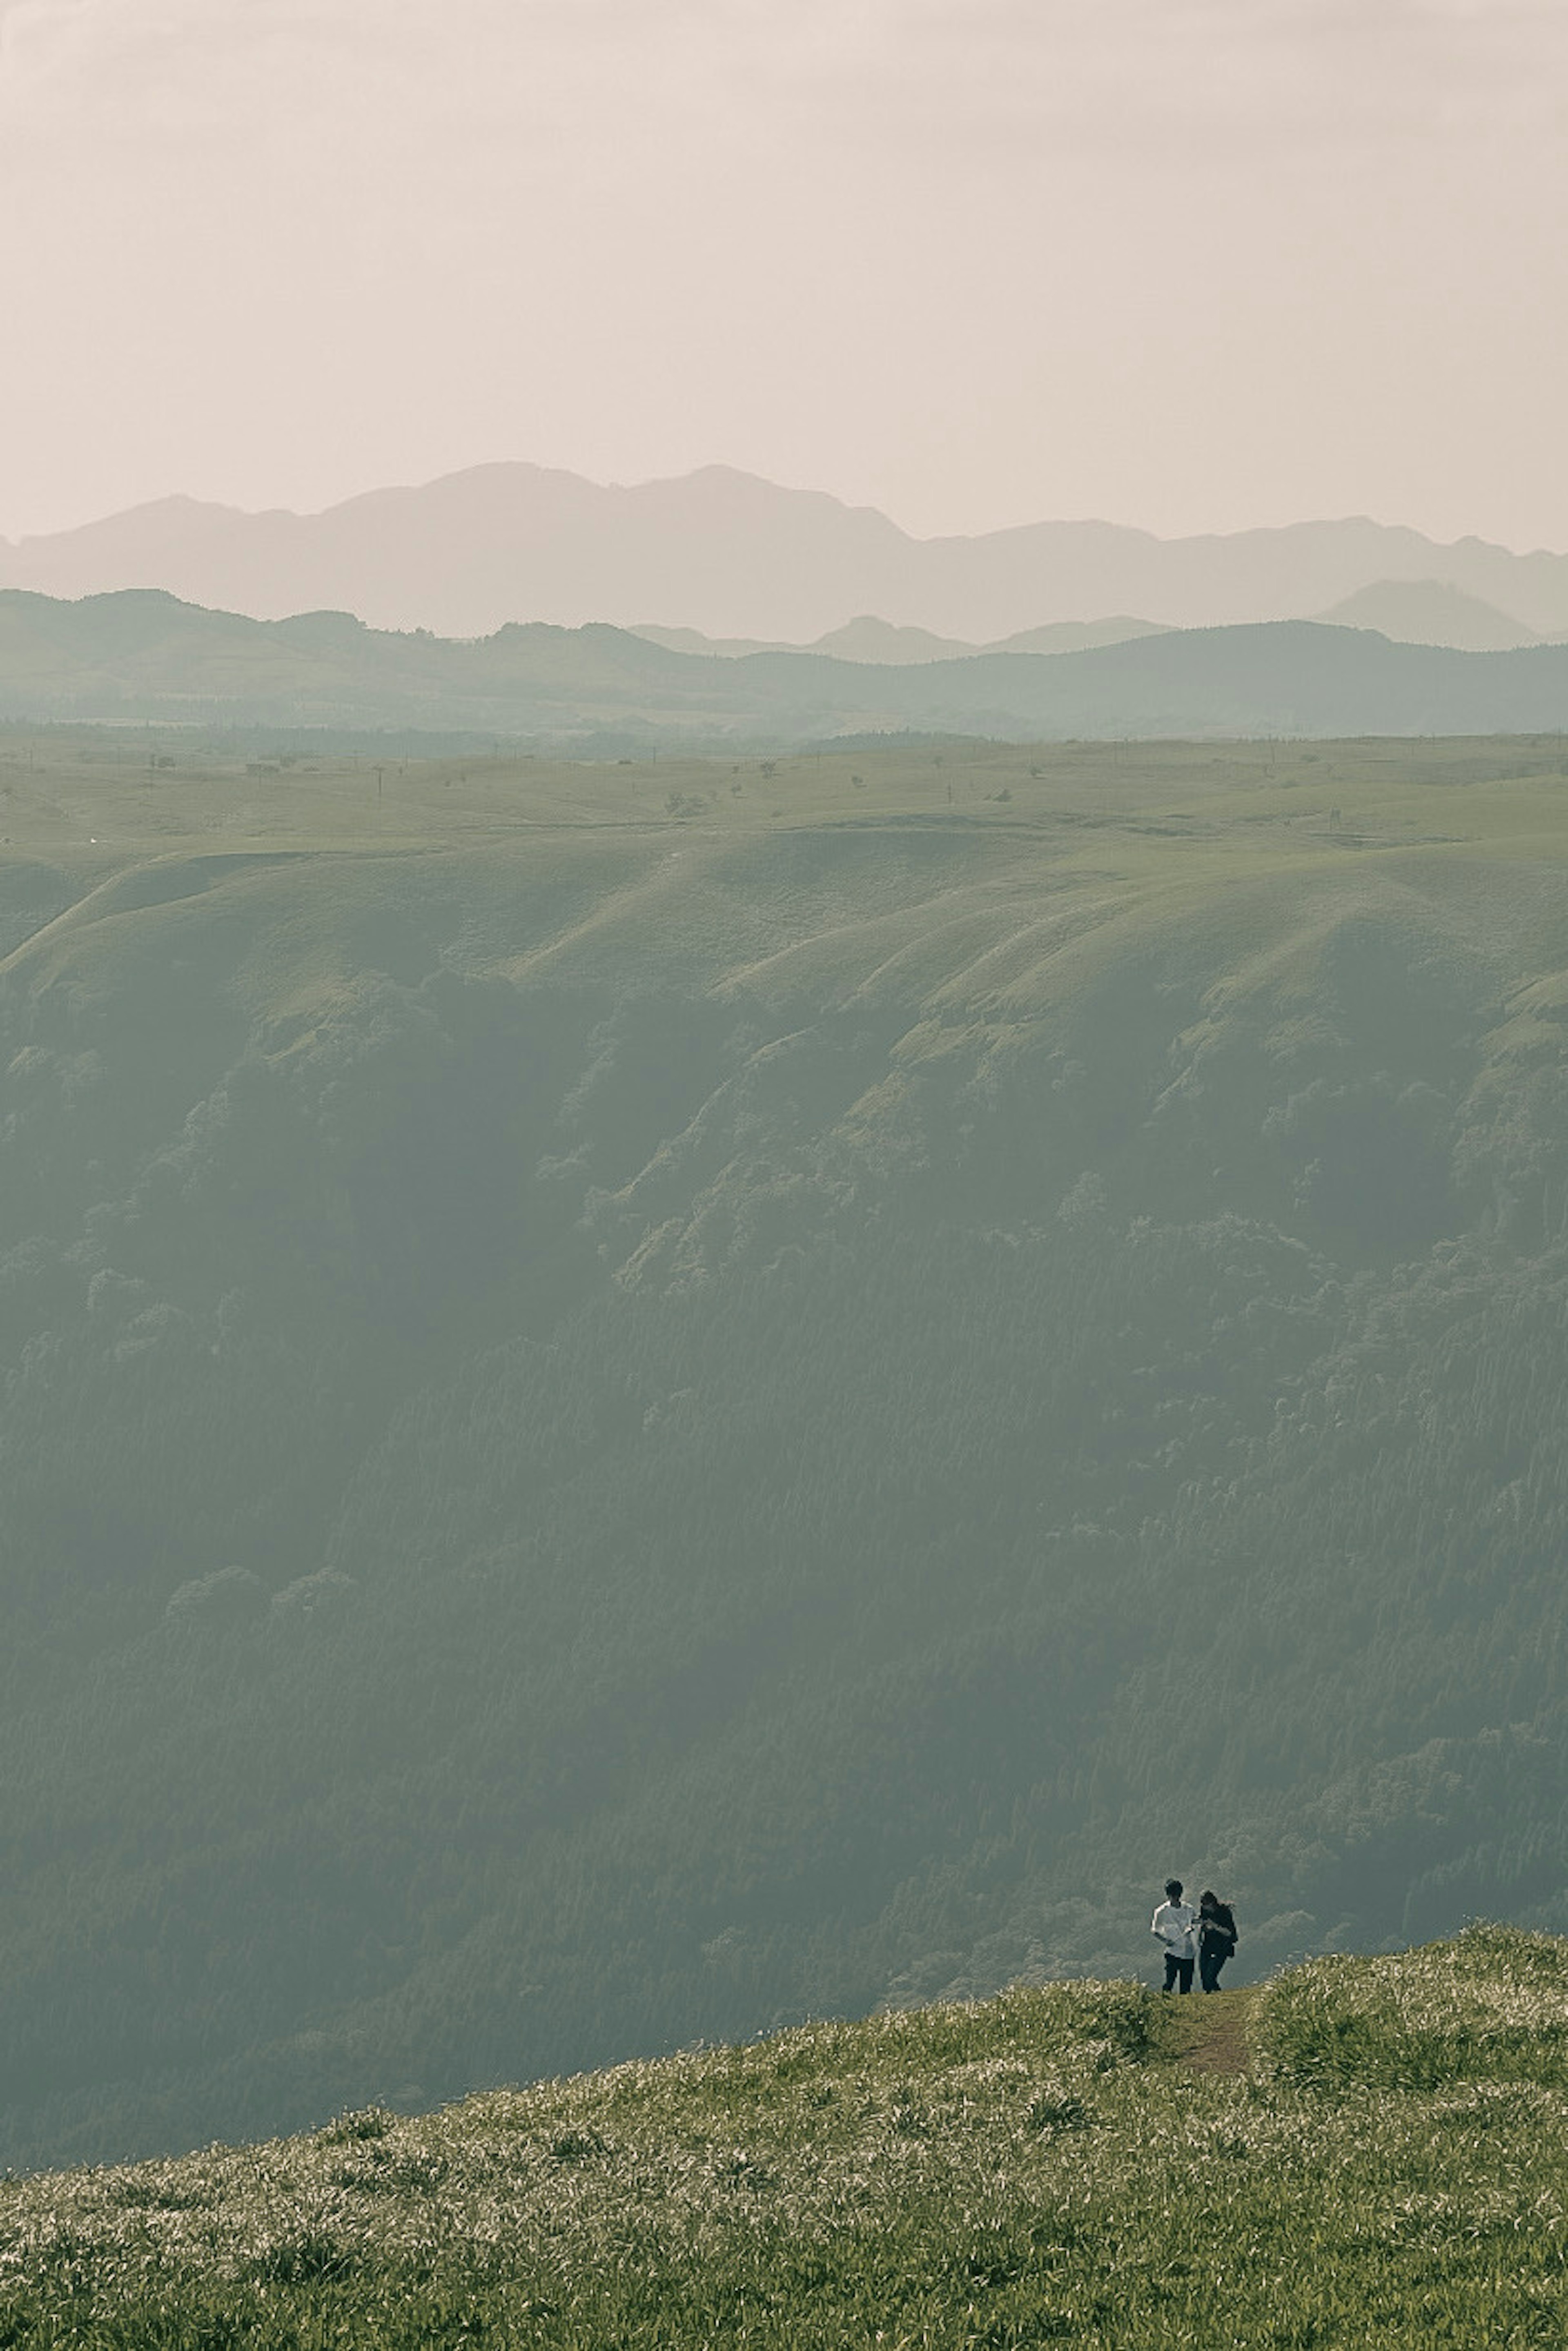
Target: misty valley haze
634,1394
757,1240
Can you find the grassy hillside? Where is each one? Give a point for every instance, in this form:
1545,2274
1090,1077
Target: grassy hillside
1359,2152
640,1400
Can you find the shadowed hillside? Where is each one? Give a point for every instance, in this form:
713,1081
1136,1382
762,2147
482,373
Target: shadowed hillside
141,657
645,1400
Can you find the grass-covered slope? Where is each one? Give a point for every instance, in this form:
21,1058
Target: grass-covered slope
639,1402
1357,2152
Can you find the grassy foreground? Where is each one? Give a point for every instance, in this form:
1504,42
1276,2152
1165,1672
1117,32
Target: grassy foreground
1361,2151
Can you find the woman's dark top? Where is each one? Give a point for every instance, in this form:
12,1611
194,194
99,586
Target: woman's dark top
1216,1928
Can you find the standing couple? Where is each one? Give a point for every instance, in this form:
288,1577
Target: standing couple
1206,1934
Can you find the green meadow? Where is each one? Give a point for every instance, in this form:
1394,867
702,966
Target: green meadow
986,880
1357,2151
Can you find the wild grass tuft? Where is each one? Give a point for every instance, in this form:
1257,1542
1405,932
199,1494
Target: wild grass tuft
1491,2005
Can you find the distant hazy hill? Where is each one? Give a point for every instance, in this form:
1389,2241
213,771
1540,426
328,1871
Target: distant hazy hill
1430,613
734,556
1078,636
143,655
692,641
868,639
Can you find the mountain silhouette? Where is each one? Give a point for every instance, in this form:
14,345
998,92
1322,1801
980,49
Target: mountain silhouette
731,555
1430,613
141,655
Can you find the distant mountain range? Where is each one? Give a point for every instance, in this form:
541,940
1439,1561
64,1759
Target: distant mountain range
868,639
141,655
1411,612
736,556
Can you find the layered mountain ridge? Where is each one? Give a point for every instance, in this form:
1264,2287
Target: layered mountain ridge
731,555
141,656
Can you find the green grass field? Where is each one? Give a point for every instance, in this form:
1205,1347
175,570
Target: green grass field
985,883
1358,2152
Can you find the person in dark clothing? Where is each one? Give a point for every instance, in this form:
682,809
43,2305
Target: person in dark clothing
1217,1939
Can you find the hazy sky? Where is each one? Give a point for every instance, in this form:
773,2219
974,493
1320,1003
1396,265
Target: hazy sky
1192,264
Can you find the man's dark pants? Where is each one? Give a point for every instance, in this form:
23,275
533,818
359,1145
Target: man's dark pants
1178,1972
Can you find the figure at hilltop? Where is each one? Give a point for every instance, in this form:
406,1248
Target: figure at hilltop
1175,1925
1217,1939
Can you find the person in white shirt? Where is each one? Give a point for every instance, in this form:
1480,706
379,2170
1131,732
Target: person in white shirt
1175,1925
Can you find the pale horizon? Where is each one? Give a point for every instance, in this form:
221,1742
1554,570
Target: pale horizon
1192,267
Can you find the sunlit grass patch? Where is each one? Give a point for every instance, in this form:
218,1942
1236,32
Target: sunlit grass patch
1491,2004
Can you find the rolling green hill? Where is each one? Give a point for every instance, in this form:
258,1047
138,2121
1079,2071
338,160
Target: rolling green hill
1361,2152
642,1400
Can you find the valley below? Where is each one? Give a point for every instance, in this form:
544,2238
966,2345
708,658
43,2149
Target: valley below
646,1400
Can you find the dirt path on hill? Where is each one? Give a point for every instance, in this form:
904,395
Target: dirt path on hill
1209,2031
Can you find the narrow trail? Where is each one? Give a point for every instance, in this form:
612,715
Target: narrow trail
1209,2030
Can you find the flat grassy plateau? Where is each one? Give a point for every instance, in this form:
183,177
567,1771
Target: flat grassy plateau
987,884
1359,2152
